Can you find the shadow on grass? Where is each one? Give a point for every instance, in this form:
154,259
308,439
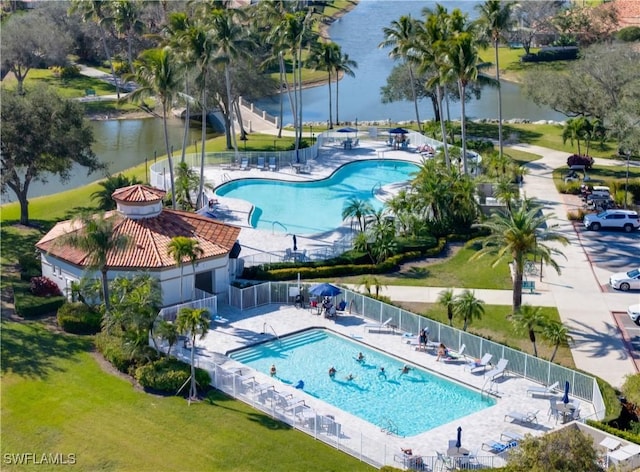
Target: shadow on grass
31,350
490,131
220,400
414,272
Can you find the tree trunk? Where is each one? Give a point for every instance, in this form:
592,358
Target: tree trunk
187,118
466,322
108,54
227,80
450,315
462,128
193,392
24,206
200,200
330,110
337,99
105,288
553,354
169,156
130,53
181,283
443,129
500,141
415,99
281,95
517,285
532,338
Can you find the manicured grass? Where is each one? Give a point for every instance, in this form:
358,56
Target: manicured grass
56,398
456,271
521,157
496,325
70,88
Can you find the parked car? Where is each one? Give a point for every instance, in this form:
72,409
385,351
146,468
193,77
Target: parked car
624,219
626,280
634,313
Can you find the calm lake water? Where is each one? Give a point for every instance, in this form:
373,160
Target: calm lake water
359,32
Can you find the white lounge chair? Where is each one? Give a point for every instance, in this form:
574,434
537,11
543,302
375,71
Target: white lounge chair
543,391
498,370
481,364
525,418
378,326
511,436
455,356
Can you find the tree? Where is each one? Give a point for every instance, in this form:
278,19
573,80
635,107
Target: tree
98,238
467,307
556,334
193,322
529,319
533,18
103,197
575,129
187,181
521,232
54,145
32,40
324,57
127,21
357,209
566,450
181,248
447,300
631,389
167,331
495,20
371,281
157,76
401,38
343,65
401,87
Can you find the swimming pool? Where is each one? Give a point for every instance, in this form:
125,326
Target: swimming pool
415,402
316,206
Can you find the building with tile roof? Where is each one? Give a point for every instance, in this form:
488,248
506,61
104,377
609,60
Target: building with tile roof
150,228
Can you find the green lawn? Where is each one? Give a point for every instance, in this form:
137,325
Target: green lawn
70,88
57,398
456,271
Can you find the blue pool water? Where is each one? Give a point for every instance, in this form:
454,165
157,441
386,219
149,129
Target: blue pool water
416,401
315,207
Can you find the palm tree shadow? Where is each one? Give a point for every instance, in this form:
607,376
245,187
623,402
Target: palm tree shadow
600,342
414,272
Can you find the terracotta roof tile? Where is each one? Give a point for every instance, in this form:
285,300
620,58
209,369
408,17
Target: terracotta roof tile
138,194
149,239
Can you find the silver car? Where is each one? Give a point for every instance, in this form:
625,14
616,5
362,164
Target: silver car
634,313
626,280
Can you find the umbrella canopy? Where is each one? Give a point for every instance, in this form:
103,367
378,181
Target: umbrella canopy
459,440
325,290
348,129
565,398
398,131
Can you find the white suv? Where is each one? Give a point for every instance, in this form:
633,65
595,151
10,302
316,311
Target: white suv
624,219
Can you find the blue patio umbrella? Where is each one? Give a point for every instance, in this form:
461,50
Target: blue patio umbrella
325,290
565,398
459,440
348,129
398,131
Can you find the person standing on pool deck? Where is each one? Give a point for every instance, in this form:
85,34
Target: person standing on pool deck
272,371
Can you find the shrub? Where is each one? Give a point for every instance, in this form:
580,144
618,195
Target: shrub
481,146
552,54
28,305
66,72
168,375
628,34
576,215
577,160
78,318
29,266
114,350
571,188
44,287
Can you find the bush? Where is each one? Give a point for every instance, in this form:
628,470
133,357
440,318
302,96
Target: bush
168,375
44,287
78,318
628,34
29,266
577,160
552,54
571,188
481,146
66,72
114,350
576,215
28,305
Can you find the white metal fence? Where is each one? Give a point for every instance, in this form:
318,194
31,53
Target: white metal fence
170,313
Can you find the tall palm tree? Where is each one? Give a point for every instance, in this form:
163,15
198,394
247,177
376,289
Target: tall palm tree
157,76
187,181
468,307
324,57
97,238
447,300
181,248
557,335
496,19
357,209
576,129
516,234
400,36
128,23
193,322
167,331
529,319
344,65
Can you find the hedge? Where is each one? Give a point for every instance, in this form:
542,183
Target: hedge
168,375
629,34
79,318
560,53
114,350
29,266
627,435
28,305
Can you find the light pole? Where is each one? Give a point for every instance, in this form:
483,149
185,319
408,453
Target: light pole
311,133
274,145
626,183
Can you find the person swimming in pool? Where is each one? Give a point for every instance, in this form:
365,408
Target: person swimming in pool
360,357
405,369
382,373
332,372
272,371
350,377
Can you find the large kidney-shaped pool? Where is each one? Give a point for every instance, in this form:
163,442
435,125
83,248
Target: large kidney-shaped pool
416,401
316,206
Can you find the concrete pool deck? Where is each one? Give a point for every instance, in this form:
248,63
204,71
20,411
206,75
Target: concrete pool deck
259,324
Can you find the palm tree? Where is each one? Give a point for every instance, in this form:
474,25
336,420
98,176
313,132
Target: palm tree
325,57
517,234
126,19
98,239
529,318
112,183
357,209
344,65
506,191
371,281
495,19
574,130
557,335
181,248
468,307
167,331
157,76
401,37
447,300
193,322
187,181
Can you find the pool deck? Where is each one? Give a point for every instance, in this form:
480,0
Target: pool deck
331,156
259,324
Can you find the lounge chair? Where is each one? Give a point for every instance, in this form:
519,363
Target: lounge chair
261,163
378,326
497,447
498,370
524,418
244,164
453,356
511,436
480,364
273,166
543,391
446,462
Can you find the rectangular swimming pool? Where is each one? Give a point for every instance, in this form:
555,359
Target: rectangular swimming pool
415,401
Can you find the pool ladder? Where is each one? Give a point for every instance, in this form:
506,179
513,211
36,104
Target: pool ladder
390,428
264,331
